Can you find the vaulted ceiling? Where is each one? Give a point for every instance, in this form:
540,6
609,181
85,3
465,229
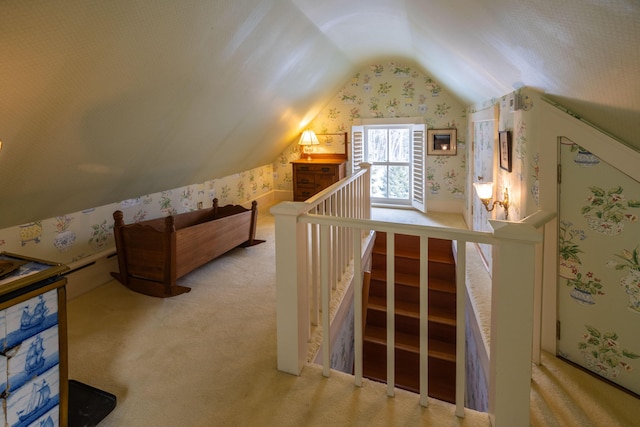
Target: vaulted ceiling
104,101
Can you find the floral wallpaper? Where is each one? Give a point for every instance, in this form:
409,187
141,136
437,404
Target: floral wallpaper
598,240
391,90
343,350
523,181
477,389
74,236
483,163
599,267
282,169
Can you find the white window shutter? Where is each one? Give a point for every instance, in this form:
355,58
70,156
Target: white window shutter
357,147
419,164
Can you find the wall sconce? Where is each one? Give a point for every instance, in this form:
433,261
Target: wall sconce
485,193
308,139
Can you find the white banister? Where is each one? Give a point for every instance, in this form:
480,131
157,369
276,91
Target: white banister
326,297
326,233
511,322
461,350
299,267
358,309
314,264
538,220
424,321
391,315
292,314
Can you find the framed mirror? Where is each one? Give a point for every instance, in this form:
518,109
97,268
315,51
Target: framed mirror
332,145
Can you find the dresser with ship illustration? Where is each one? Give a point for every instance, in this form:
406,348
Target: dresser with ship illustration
33,342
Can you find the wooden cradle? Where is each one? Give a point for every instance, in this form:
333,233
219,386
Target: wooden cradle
153,254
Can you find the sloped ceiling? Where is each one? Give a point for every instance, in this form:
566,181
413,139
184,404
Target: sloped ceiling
104,101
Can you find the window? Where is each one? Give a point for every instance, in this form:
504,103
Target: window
397,155
388,149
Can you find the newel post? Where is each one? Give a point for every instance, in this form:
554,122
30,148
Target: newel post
512,298
292,301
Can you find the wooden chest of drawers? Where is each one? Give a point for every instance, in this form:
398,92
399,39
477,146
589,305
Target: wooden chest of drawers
312,176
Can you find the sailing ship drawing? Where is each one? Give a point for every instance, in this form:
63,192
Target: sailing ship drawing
38,399
34,318
29,318
35,356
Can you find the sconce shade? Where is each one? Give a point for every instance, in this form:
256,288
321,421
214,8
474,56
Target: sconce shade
485,193
308,138
484,190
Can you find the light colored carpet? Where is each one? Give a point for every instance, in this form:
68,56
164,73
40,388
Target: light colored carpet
208,358
562,395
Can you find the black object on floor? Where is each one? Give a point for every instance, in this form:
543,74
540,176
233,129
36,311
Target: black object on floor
88,405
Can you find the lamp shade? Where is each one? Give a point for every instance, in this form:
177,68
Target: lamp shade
484,189
308,138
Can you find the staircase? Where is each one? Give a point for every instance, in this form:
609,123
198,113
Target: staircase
442,316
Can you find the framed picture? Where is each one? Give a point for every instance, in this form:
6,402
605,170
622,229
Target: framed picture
505,150
441,142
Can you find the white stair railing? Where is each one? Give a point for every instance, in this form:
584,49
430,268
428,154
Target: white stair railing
321,236
299,260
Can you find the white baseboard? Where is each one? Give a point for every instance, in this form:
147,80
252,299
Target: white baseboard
265,201
283,195
90,275
445,206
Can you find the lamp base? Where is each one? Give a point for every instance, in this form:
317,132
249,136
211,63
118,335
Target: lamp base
306,152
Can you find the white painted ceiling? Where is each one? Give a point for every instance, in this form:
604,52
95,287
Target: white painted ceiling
101,101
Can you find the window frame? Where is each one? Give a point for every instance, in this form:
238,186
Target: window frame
418,196
389,200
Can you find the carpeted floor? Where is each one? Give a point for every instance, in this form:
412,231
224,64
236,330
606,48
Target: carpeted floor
208,358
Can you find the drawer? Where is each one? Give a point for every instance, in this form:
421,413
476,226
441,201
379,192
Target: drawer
305,179
304,193
317,169
311,177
